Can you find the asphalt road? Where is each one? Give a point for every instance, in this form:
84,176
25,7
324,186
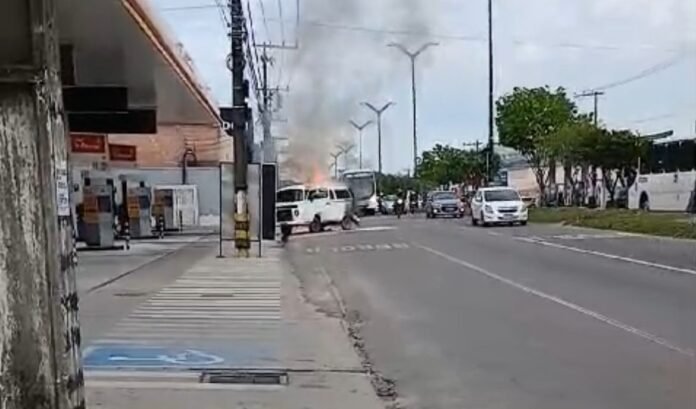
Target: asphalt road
527,317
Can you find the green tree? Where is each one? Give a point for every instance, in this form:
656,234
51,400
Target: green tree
526,117
572,146
391,184
448,164
616,153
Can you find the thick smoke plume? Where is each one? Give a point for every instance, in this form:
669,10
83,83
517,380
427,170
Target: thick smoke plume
335,69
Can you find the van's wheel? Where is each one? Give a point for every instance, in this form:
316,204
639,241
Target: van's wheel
346,223
315,225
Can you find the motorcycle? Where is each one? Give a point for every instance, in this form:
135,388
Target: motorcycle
399,208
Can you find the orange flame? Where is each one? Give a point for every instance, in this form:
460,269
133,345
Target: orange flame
317,176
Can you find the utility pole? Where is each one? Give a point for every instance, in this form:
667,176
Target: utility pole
491,100
595,94
240,122
267,93
268,143
39,330
360,128
379,112
476,145
412,56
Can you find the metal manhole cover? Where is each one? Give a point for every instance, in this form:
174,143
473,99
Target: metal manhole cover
245,377
131,294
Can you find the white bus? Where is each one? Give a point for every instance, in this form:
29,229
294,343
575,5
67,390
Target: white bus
667,180
363,184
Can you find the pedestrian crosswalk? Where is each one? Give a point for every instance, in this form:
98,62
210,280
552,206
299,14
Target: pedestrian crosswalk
218,300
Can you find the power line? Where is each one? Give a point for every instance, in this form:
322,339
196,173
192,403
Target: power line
644,73
282,23
223,14
451,37
265,21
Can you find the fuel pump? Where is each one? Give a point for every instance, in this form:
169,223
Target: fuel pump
96,214
139,211
164,209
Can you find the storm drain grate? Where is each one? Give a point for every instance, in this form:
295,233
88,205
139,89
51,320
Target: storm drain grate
245,377
131,294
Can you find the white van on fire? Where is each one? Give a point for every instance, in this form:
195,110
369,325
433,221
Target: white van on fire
315,207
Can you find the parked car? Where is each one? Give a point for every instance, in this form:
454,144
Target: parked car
443,203
315,207
498,205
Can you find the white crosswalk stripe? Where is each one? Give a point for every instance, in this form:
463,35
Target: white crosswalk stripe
207,304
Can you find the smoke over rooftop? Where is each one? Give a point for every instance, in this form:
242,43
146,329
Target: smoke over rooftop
339,66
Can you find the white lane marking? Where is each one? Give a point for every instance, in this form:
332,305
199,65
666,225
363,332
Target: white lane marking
603,318
542,242
375,228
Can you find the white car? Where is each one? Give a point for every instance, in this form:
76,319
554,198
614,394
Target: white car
498,205
315,207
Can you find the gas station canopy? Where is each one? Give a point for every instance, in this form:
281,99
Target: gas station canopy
122,73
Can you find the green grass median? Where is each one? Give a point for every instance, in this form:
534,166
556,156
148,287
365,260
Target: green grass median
659,224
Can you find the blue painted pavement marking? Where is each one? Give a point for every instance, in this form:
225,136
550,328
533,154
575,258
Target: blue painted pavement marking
105,356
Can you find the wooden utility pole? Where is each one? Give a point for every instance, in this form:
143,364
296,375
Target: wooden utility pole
40,366
595,96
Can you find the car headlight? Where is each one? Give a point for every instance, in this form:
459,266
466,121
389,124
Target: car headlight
488,209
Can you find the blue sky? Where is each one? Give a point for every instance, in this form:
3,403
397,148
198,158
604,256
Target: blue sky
343,59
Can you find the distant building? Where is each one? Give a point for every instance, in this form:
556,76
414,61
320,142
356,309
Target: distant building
520,174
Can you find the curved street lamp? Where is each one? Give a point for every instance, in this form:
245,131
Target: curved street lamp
413,56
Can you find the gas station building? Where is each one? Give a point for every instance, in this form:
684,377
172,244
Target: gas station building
138,113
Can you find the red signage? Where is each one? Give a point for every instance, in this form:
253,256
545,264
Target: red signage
122,153
87,143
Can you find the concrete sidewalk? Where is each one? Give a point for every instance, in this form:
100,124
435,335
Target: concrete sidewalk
244,319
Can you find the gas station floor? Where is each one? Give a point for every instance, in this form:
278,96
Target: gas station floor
99,268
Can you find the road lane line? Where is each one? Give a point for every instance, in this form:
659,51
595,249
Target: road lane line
603,318
607,255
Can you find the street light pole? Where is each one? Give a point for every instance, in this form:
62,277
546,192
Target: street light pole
360,128
379,112
491,102
413,56
335,157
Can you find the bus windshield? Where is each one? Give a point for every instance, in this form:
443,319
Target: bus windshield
361,184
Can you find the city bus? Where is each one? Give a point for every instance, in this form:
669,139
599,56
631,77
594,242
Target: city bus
363,184
667,180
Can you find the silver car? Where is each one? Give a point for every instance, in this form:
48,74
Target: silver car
443,204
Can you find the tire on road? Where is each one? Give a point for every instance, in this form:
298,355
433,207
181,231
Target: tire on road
483,221
346,223
315,226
